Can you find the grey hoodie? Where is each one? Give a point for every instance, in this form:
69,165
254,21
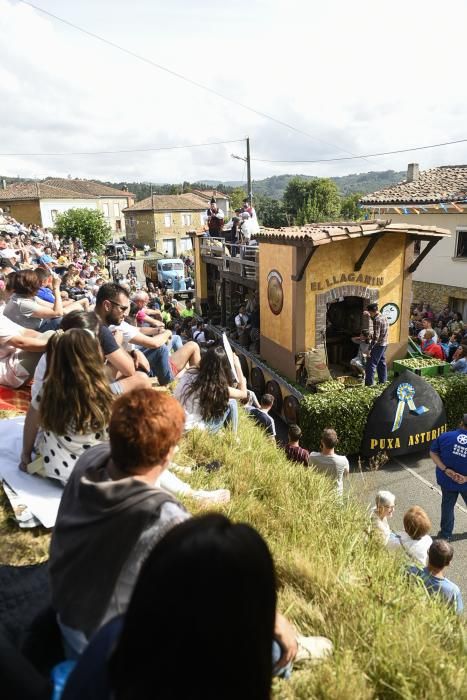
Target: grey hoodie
98,524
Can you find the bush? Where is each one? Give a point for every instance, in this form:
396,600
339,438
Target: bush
347,411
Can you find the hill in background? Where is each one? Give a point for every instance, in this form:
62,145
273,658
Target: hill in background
273,187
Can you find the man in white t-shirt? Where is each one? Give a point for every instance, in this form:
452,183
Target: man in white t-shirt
427,325
20,351
326,461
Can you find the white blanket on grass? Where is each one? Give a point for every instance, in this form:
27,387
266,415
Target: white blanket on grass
41,496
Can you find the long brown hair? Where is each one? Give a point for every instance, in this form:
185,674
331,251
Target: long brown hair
76,395
211,384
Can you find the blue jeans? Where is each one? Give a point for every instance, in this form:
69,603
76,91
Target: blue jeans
158,359
230,416
448,502
285,672
376,360
175,343
52,324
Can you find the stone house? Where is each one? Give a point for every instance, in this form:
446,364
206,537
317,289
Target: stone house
435,197
165,222
41,202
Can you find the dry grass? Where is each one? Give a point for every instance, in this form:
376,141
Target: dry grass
391,640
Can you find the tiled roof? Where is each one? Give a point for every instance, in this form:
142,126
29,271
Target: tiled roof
38,190
444,184
96,189
319,234
207,194
169,202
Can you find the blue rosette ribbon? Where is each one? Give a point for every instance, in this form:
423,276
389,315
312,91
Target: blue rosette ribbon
405,393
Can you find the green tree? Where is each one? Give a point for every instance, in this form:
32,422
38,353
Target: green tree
309,201
88,225
236,198
350,210
269,211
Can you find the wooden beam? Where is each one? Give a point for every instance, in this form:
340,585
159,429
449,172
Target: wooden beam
369,247
299,276
423,254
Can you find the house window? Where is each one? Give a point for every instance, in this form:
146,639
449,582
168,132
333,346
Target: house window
185,244
116,209
105,209
118,225
167,220
461,244
186,219
53,215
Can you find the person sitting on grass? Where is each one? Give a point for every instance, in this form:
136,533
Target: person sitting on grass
439,557
73,414
207,394
293,451
430,346
113,496
335,466
414,540
385,502
261,415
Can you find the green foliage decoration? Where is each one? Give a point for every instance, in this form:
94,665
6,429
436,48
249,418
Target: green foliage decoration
347,411
88,225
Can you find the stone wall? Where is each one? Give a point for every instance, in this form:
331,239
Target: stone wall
437,295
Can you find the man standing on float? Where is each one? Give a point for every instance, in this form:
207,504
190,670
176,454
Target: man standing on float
378,344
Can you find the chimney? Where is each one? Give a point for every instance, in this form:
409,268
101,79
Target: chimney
4,184
413,172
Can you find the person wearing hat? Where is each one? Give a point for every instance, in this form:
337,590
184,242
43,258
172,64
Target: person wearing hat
214,219
449,453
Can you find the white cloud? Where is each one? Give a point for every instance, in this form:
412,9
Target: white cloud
357,77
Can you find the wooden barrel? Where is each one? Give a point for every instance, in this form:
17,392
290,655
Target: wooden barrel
258,382
273,388
291,410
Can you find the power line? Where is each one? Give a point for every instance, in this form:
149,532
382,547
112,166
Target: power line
150,62
129,150
366,155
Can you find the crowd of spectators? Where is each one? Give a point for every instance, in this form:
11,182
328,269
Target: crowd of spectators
441,336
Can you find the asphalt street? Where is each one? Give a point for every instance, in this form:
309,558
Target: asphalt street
412,480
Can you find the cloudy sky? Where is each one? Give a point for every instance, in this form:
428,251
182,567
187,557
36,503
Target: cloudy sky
354,77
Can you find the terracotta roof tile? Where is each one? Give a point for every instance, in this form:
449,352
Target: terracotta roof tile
319,234
444,184
39,190
96,189
169,202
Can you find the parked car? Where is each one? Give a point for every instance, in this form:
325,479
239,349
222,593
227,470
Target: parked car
168,273
117,251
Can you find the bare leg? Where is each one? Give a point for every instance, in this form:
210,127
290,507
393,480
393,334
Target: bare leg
137,381
189,354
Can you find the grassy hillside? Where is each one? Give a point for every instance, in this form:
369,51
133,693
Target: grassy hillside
391,640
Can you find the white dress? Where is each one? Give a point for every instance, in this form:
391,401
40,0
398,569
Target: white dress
61,452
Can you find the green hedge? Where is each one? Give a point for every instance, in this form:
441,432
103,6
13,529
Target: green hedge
347,411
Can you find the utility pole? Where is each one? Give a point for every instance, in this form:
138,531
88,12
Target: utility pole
248,171
247,160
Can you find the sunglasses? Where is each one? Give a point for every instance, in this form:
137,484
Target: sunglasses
122,308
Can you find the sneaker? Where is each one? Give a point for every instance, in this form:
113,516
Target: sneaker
218,496
440,536
313,648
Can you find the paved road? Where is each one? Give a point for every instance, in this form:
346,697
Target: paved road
412,480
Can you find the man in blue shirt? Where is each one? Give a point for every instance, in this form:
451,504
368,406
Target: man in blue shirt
449,453
439,557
